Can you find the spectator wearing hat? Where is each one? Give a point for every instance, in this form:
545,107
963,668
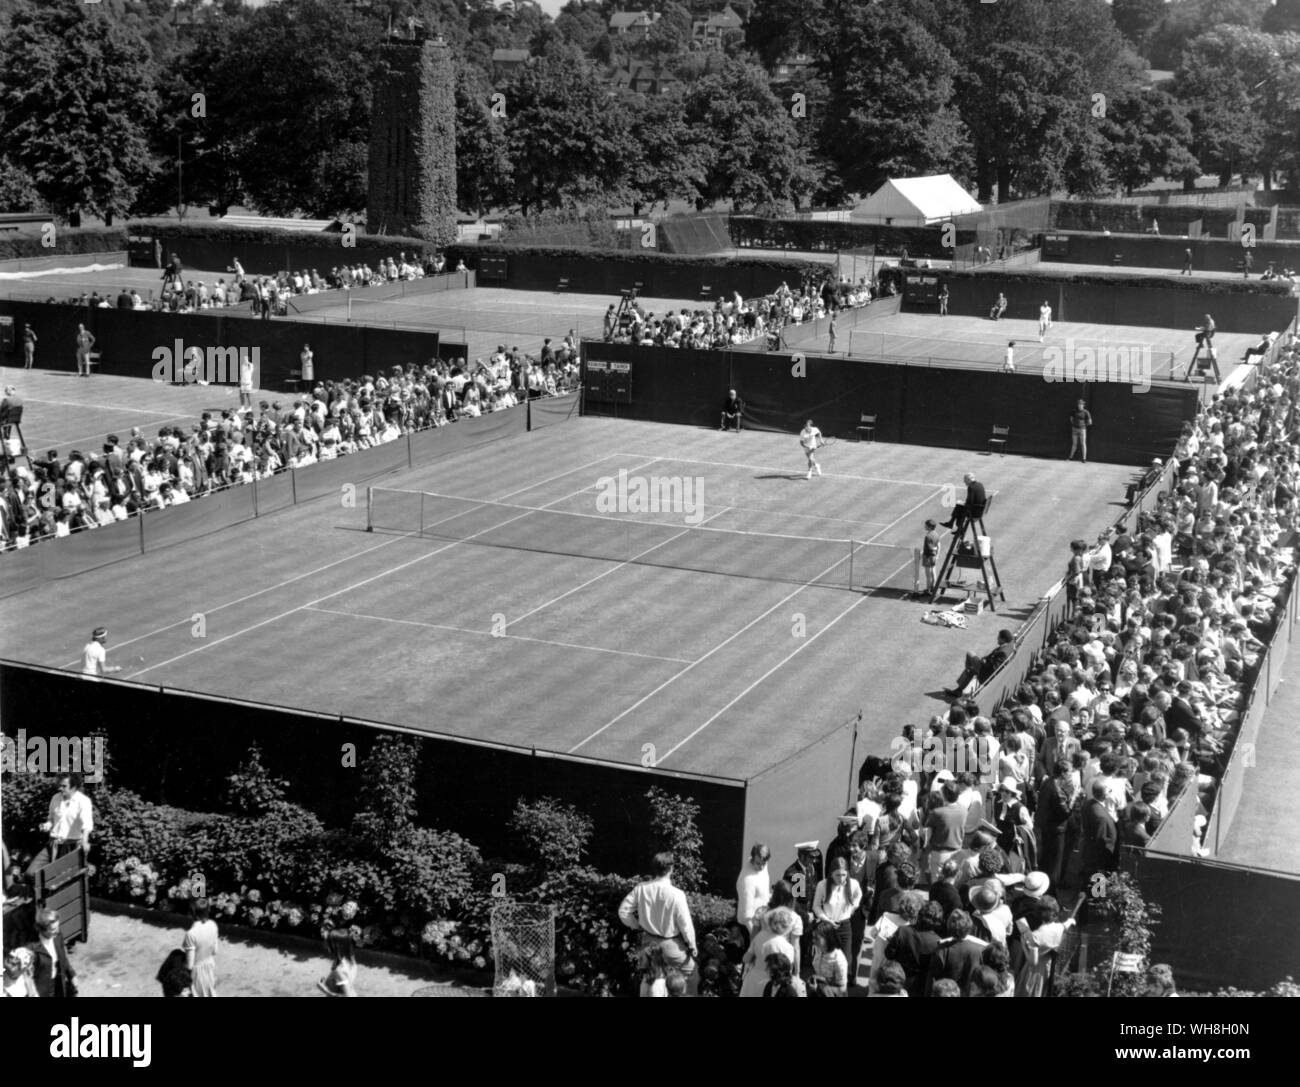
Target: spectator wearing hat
1015,826
990,915
802,877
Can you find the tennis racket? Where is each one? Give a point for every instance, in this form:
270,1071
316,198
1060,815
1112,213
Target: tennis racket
826,443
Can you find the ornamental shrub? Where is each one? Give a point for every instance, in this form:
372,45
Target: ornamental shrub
551,836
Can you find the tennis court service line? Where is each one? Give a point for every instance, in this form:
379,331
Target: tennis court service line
787,470
615,569
789,657
491,634
933,492
329,565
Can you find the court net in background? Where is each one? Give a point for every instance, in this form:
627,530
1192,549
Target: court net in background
670,542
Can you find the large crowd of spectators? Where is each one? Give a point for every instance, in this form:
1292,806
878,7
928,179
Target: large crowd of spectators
269,295
953,873
737,320
57,496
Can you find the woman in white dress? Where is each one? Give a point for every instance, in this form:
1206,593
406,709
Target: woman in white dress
200,947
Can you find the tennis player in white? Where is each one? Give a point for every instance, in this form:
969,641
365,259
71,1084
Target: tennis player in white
811,439
1044,320
94,658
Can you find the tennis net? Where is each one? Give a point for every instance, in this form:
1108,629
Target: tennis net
800,560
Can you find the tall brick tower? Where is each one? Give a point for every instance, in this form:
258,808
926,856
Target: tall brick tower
412,186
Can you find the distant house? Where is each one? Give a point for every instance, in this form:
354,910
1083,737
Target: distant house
708,33
507,61
634,23
648,79
791,66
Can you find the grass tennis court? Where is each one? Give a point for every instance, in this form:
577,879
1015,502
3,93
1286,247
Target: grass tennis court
589,652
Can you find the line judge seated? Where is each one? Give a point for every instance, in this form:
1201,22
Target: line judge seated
983,668
970,510
732,408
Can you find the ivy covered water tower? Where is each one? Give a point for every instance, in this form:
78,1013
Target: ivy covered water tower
412,188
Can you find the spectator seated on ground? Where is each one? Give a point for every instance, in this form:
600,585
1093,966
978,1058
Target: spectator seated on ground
982,668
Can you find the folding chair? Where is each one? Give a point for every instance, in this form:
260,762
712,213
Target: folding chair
867,423
999,438
563,285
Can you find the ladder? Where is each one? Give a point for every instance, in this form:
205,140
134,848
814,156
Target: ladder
12,428
969,557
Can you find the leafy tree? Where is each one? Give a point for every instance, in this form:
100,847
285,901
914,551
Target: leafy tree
667,163
17,190
289,105
673,829
889,103
77,102
747,138
1148,137
1135,18
1282,17
1189,19
1218,84
566,145
670,35
483,168
582,23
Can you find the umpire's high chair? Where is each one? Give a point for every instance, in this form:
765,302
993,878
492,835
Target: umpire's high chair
965,553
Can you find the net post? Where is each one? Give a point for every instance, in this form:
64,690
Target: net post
370,509
421,533
851,550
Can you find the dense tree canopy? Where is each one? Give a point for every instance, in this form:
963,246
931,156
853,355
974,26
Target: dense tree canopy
269,107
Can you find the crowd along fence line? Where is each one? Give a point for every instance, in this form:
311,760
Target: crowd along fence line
90,549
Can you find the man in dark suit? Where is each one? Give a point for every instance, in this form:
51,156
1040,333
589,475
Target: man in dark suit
982,668
957,957
1100,836
803,876
971,509
731,410
1059,746
1180,713
52,972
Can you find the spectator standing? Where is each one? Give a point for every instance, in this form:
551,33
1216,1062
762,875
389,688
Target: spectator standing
772,938
958,956
1100,835
29,346
929,553
1044,320
837,898
342,978
305,360
200,947
830,967
85,341
1041,935
753,886
831,333
19,966
1080,421
52,973
1187,263
72,819
943,300
660,912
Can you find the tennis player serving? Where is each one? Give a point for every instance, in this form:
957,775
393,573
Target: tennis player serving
811,439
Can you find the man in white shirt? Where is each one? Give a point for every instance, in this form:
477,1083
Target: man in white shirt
94,658
71,818
660,912
753,886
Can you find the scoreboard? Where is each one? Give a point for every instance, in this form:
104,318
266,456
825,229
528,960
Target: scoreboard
608,382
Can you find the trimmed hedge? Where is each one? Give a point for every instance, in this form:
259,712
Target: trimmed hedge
1186,284
822,236
66,240
168,231
645,258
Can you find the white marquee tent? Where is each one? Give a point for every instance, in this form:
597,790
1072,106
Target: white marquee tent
915,201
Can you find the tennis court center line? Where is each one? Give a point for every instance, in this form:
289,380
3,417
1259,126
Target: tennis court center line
788,470
346,558
359,584
934,492
490,634
614,569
